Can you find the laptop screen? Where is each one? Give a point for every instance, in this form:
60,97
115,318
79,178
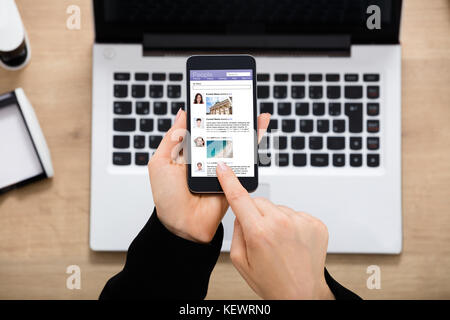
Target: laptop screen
129,20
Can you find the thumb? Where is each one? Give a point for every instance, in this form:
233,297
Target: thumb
173,137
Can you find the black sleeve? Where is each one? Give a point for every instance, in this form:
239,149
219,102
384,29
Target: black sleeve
161,265
339,292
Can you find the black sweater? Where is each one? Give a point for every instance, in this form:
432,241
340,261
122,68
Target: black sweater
161,265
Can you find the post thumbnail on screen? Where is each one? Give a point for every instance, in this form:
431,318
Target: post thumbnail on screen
219,148
219,105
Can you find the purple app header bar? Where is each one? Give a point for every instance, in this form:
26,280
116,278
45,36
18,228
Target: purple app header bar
201,75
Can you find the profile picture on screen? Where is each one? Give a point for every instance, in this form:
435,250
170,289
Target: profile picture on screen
199,142
199,123
199,167
198,99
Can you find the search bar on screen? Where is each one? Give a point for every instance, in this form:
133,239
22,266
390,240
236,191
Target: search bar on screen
238,74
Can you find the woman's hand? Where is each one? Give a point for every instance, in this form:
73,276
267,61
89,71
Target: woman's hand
194,217
278,251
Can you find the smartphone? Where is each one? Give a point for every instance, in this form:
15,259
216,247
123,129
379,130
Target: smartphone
221,120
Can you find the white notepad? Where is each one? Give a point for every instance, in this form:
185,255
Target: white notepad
21,147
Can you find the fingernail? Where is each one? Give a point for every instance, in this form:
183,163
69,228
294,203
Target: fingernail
222,166
178,114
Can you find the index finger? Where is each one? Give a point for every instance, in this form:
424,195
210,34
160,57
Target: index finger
238,198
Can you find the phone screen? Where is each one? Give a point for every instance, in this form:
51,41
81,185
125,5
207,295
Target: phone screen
222,121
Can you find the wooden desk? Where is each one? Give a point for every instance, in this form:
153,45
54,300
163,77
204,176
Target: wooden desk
44,226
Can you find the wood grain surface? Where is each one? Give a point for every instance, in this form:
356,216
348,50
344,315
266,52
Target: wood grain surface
44,226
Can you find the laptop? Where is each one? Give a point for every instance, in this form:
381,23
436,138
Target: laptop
331,81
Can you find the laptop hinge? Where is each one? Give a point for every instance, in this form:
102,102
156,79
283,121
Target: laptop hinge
292,44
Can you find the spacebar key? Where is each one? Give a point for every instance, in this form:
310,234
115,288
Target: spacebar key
354,113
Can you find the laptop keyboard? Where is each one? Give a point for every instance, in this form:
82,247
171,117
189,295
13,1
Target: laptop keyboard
318,120
144,108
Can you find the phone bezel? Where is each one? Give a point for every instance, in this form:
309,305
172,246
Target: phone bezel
220,62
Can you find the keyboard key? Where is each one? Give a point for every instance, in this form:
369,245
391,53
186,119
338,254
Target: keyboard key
338,159
373,92
338,126
174,91
373,143
262,92
333,92
280,142
141,76
373,126
315,143
160,107
288,125
319,159
373,109
355,143
120,90
284,108
332,77
124,125
353,92
299,159
142,107
371,77
175,76
298,77
139,142
282,159
356,160
121,142
302,108
141,158
334,108
154,141
146,125
279,92
264,143
373,160
315,92
336,143
121,158
175,106
281,77
262,77
351,77
297,92
315,77
298,143
164,124
122,107
323,126
138,91
264,159
354,113
273,125
318,108
156,91
121,76
158,76
306,125
266,107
